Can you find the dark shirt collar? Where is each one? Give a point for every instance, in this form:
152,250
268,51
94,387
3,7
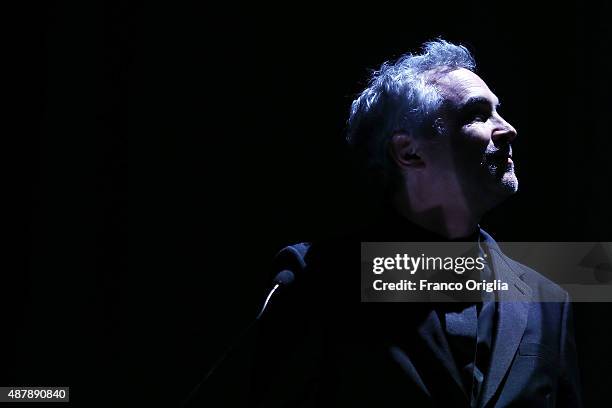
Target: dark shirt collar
398,228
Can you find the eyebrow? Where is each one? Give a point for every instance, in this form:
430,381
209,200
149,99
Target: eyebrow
479,100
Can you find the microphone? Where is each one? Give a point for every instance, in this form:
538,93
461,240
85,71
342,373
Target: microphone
289,259
282,279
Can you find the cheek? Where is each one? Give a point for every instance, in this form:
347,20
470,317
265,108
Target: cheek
471,143
478,134
440,155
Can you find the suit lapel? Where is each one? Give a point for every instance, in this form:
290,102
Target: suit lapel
513,310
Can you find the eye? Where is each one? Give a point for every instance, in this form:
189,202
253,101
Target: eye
479,116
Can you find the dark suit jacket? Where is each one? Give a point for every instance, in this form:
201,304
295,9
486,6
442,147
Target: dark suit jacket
320,346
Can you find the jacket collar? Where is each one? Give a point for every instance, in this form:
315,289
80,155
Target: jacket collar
513,310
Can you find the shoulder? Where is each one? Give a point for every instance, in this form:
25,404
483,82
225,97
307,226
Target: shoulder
543,289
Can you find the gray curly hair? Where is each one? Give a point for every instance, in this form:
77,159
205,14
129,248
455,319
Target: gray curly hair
401,96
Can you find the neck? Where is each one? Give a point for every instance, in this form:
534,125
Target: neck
452,220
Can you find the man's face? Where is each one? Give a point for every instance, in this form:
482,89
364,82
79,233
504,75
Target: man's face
477,147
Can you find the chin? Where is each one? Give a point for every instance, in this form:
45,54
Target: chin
507,186
502,182
510,183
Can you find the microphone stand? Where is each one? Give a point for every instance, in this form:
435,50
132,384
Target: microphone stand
283,278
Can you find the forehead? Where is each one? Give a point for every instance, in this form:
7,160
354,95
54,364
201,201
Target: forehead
461,85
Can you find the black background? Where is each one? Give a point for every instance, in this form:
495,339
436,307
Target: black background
159,176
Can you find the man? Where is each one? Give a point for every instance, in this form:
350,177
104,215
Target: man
430,135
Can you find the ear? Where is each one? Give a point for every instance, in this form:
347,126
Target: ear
404,151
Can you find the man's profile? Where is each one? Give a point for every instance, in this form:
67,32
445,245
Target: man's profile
429,134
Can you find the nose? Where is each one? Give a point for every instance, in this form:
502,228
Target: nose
504,133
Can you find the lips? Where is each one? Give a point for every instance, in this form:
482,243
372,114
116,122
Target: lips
502,160
503,156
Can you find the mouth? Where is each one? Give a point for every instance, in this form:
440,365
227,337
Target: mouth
501,161
503,156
